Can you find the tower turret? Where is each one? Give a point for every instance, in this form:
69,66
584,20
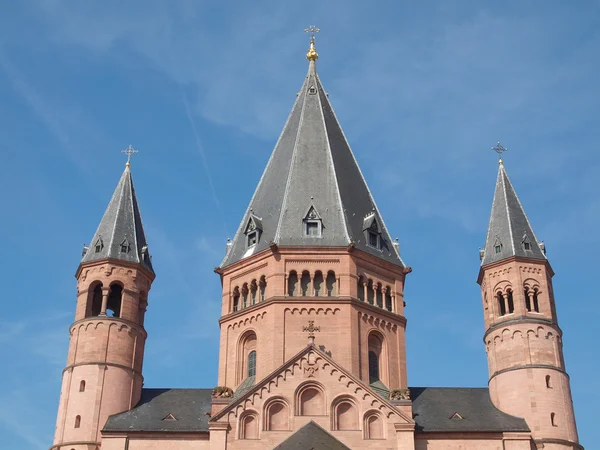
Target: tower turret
523,340
103,375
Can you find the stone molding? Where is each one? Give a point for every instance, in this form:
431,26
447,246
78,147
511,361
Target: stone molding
528,366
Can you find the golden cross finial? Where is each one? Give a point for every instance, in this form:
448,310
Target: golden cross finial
129,151
312,54
499,149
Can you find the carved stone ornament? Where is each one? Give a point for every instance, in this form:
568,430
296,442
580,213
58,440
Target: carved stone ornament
310,371
400,394
222,392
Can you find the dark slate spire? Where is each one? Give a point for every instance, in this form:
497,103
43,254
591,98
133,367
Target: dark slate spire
312,176
120,234
509,232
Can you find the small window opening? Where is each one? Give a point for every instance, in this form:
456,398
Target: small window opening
252,238
125,246
245,295
527,300
370,293
305,284
97,300
263,287
252,363
379,295
98,246
253,290
318,284
292,283
82,386
360,289
527,245
312,229
77,421
373,239
501,304
236,298
498,248
511,305
548,383
388,299
373,367
113,306
536,305
553,419
330,284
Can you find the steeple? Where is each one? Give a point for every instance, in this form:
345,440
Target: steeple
312,192
120,234
509,231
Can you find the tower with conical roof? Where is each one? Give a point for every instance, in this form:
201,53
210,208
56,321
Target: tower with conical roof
103,375
312,252
523,340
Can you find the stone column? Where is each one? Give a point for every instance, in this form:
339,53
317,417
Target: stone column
105,292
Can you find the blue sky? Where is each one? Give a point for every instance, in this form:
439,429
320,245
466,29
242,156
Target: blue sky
422,89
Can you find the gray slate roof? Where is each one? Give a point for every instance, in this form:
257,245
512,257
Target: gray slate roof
433,409
310,437
121,225
311,166
188,406
509,227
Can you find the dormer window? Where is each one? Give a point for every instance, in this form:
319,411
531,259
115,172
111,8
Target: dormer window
313,226
527,245
372,231
498,248
253,231
98,246
125,247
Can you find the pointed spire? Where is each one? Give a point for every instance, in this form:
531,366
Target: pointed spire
509,231
312,168
120,234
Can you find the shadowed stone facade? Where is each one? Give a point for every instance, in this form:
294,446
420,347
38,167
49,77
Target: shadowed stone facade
312,326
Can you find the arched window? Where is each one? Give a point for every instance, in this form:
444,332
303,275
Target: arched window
249,425
253,291
360,289
113,306
511,304
292,283
310,401
77,421
553,419
548,383
331,283
376,357
277,415
96,297
344,415
305,283
388,298
318,283
246,356
236,298
373,367
379,295
373,425
370,293
536,305
501,304
252,363
263,287
82,386
245,295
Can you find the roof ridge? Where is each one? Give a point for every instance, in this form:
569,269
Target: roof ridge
510,230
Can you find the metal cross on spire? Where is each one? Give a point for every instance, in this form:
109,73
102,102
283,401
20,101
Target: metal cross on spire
312,30
499,149
129,151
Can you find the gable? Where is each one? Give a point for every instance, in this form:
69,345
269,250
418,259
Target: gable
310,385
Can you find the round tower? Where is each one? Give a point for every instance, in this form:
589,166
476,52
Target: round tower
523,340
103,375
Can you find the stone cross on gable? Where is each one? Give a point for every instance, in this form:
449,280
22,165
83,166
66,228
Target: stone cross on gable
311,331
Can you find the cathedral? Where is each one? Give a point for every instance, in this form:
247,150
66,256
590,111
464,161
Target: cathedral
312,327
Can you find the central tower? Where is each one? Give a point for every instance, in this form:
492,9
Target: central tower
312,248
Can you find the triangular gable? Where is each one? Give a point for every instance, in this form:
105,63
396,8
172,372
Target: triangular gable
301,361
311,436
